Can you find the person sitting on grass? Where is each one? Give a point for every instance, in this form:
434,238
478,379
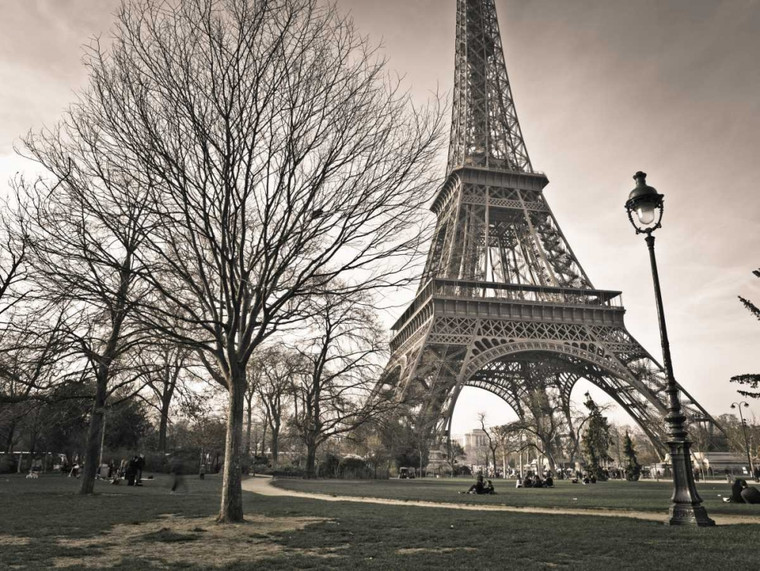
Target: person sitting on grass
736,491
518,482
549,481
750,494
489,488
478,487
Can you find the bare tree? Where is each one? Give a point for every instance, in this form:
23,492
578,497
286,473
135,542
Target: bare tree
577,422
540,416
452,454
276,367
254,381
34,358
493,442
12,267
509,442
342,357
280,155
166,367
83,224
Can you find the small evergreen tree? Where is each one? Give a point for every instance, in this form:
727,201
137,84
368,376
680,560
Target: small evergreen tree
596,439
633,468
751,381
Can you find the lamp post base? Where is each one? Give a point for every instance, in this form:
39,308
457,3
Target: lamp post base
686,508
695,516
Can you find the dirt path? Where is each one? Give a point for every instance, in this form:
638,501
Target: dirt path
263,485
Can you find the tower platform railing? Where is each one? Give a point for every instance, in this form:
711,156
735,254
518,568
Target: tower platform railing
517,293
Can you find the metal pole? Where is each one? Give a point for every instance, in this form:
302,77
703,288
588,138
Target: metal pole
686,507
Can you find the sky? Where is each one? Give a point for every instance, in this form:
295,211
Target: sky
603,88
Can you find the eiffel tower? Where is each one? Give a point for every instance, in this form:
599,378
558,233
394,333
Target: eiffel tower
503,303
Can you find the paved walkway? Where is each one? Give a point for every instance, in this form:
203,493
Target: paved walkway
263,485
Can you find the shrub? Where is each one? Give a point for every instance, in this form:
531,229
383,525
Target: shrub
8,464
462,471
354,469
290,472
329,467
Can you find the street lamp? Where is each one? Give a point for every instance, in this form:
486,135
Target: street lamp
739,405
645,209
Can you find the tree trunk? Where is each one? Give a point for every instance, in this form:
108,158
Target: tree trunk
249,413
33,441
163,425
92,445
574,440
311,459
231,510
275,443
264,439
170,384
549,454
9,439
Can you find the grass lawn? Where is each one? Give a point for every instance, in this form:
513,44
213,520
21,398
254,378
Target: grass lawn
44,524
614,495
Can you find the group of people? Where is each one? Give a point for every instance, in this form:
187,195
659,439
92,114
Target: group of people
483,486
535,481
130,470
584,479
741,493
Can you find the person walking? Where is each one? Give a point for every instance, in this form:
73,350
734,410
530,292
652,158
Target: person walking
178,478
139,465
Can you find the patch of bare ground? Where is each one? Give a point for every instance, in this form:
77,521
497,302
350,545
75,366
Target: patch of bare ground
418,550
173,540
12,540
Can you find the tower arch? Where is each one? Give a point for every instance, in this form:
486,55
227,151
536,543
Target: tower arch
512,370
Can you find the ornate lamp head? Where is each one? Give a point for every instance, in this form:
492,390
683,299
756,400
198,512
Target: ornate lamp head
645,206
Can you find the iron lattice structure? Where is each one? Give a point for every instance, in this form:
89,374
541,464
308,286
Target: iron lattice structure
503,304
485,131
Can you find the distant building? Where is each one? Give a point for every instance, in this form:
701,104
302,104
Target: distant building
475,440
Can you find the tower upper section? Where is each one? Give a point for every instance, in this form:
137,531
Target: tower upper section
485,131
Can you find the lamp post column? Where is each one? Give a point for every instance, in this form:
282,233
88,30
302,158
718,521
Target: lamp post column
686,507
645,207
